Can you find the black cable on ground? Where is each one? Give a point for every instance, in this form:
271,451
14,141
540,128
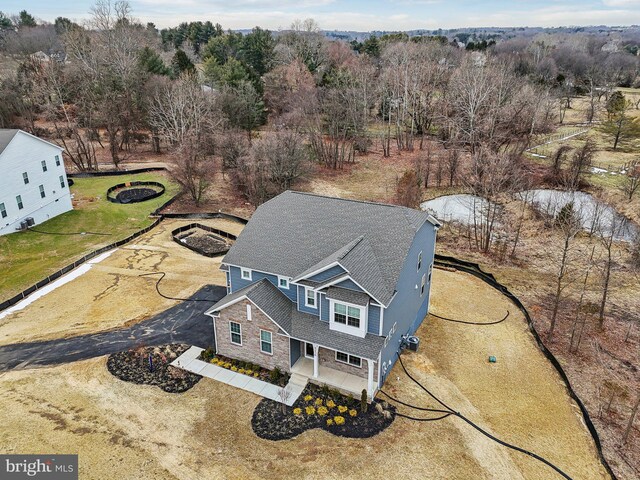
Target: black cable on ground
68,233
432,419
470,323
480,429
173,298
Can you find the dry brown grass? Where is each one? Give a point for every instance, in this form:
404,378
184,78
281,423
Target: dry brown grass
121,430
112,294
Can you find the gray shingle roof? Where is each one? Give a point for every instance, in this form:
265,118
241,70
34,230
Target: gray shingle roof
6,135
310,329
302,326
296,233
347,295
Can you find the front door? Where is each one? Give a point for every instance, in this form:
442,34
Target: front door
308,350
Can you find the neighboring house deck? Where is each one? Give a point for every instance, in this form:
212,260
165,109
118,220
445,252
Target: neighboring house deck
326,288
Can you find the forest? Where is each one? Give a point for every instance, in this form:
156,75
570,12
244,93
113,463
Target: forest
495,118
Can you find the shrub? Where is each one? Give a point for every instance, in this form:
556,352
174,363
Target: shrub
353,412
322,411
329,421
310,410
325,390
342,408
242,370
331,403
234,369
248,372
339,420
363,401
297,411
275,375
256,374
318,401
308,398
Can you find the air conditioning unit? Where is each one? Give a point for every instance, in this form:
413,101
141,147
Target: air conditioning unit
30,221
23,225
413,343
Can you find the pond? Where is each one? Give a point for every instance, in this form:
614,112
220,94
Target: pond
595,216
458,208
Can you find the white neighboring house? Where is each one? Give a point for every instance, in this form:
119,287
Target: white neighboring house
33,182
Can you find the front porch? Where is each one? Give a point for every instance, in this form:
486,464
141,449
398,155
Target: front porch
344,382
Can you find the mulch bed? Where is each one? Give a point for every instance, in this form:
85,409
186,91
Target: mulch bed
205,242
133,366
270,423
133,195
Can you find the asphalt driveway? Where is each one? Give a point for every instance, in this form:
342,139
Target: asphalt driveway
183,323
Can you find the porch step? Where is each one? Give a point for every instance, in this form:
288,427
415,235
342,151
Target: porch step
298,379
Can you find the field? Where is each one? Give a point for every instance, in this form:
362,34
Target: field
122,430
28,257
112,294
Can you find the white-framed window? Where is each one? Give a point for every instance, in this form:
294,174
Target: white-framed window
249,312
393,329
419,261
3,210
245,273
57,160
266,346
62,185
310,298
25,177
346,315
308,350
430,272
422,283
42,194
283,282
235,329
348,359
44,165
19,202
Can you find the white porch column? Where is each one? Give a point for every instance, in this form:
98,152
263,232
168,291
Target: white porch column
370,378
315,360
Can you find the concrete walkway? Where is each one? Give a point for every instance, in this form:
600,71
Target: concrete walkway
189,361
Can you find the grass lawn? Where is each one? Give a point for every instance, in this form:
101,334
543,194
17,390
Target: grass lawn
28,257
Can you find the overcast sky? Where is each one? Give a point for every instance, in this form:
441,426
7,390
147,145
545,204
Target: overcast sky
361,15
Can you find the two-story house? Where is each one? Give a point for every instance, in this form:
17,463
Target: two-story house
33,183
326,288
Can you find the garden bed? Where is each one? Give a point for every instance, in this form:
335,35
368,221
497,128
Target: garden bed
321,407
205,243
275,376
151,366
134,192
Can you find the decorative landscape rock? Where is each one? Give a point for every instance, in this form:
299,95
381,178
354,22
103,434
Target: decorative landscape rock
270,422
134,366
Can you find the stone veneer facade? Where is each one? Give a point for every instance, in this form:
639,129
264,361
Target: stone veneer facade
327,358
250,351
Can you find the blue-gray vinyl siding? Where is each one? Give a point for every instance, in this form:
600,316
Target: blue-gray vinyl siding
348,283
328,273
301,302
324,308
237,282
374,319
408,308
294,348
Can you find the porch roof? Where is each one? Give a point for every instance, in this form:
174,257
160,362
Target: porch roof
313,330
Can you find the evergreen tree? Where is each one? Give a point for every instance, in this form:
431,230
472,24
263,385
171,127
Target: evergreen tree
150,61
25,19
181,63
